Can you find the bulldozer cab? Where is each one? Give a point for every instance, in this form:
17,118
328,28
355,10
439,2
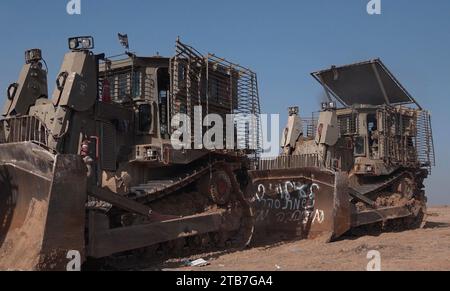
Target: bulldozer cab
140,82
158,89
381,126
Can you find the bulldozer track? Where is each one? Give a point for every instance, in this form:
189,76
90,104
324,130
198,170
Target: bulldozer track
389,199
368,189
155,190
215,241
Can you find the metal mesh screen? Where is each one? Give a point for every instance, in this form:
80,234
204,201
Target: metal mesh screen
310,125
220,87
23,129
424,140
290,162
123,84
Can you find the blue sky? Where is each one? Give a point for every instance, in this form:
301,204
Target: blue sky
283,41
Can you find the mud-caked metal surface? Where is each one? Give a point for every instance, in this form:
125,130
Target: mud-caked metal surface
300,203
42,207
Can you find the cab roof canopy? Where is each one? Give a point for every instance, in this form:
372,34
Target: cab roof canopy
367,82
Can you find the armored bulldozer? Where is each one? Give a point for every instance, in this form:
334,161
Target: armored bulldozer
358,163
94,171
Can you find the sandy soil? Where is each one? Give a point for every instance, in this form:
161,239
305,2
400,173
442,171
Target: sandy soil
423,249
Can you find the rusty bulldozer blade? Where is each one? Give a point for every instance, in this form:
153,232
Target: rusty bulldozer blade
300,203
42,215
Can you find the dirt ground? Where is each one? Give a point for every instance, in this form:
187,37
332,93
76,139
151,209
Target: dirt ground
423,249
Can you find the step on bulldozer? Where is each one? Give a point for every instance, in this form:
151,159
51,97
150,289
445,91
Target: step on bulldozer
358,164
92,170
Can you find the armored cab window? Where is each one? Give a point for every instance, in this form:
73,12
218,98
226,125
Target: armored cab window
347,124
360,146
137,85
123,87
145,117
112,86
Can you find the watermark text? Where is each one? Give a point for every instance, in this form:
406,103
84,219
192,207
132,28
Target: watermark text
374,7
74,7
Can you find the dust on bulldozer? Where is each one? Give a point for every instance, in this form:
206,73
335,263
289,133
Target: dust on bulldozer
33,185
93,169
357,166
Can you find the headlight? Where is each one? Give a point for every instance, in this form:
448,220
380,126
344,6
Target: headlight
329,105
81,43
33,56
